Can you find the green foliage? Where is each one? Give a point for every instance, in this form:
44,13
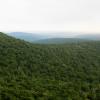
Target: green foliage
49,72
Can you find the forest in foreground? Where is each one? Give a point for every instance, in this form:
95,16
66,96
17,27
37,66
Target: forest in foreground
49,72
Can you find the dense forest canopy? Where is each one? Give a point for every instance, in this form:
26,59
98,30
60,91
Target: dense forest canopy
49,72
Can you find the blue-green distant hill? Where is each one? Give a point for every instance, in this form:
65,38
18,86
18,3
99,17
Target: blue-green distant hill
50,39
27,36
89,36
60,40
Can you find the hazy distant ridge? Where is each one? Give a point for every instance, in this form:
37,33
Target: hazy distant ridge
52,39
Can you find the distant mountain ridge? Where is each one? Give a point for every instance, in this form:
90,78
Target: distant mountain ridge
60,40
50,39
27,36
89,36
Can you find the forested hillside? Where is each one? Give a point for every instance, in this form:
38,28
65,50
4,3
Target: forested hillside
49,72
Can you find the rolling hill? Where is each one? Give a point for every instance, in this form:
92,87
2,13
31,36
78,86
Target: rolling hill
49,72
50,39
27,36
90,36
60,40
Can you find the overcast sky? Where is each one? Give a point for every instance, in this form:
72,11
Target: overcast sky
50,15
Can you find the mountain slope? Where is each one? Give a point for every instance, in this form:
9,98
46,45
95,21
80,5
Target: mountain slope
49,72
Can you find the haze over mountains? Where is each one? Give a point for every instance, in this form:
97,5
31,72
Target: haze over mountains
90,36
45,38
27,36
60,40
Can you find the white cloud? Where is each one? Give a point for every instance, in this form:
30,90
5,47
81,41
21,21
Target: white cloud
50,15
